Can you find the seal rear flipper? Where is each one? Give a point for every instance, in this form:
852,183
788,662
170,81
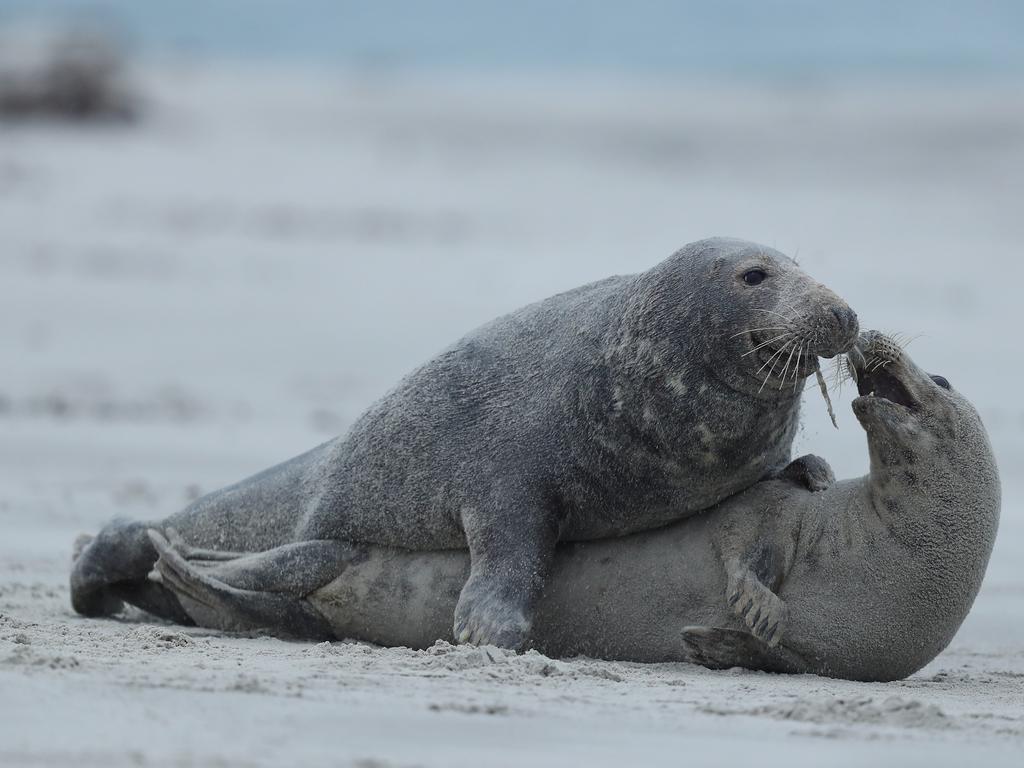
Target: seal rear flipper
212,602
720,648
109,570
294,569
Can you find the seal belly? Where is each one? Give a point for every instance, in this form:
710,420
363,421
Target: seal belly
626,598
395,597
629,598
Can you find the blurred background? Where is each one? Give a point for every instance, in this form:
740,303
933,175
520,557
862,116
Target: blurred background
226,227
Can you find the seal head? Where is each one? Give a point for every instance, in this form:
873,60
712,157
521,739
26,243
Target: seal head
917,424
748,313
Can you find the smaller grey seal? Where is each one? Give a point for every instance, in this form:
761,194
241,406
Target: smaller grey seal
867,580
615,407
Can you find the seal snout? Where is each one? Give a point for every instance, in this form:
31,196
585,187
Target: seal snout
847,326
838,330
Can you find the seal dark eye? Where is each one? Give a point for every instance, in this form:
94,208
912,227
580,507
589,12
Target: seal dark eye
754,276
942,381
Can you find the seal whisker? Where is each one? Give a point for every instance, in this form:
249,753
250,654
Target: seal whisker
796,368
840,374
903,340
786,368
766,343
766,328
766,362
772,371
787,318
797,315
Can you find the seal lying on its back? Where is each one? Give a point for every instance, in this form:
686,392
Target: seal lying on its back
867,580
612,408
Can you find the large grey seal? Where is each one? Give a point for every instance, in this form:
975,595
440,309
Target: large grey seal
866,580
615,407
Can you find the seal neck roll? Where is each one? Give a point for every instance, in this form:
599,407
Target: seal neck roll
935,501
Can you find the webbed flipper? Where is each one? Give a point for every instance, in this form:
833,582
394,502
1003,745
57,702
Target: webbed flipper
252,592
809,471
721,648
109,570
763,611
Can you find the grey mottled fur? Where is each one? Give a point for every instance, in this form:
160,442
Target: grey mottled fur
868,579
612,408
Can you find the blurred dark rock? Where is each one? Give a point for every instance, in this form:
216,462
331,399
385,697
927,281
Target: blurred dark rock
65,74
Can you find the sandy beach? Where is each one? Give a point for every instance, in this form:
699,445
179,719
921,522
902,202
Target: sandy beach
189,299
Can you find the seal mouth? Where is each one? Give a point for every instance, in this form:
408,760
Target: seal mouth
882,384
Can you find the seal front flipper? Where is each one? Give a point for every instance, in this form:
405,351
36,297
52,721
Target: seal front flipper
762,610
720,648
509,564
810,472
263,591
757,552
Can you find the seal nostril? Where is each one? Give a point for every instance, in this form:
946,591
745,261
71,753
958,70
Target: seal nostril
846,318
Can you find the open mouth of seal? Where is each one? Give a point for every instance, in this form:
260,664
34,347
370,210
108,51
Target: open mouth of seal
880,383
